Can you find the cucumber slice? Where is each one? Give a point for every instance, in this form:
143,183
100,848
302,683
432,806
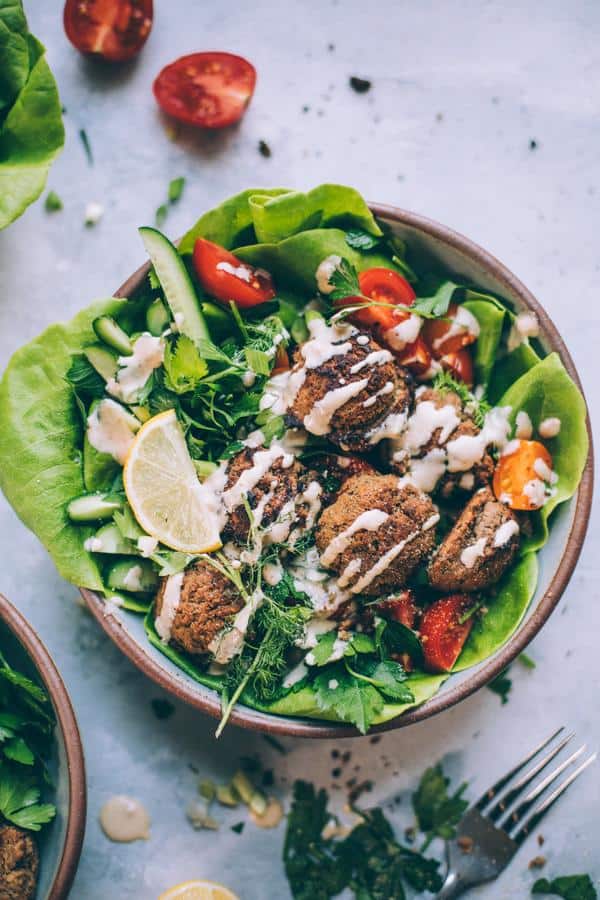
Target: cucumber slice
176,283
104,362
109,539
137,603
137,577
157,318
92,508
112,334
142,413
204,467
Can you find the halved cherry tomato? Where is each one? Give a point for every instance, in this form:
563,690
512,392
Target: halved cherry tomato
416,357
115,30
282,361
401,608
528,464
211,90
445,335
225,277
460,366
442,633
383,286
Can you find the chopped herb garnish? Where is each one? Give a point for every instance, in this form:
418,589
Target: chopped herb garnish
264,149
437,305
238,827
160,216
360,85
52,203
527,661
344,279
176,187
273,742
87,147
501,685
569,887
437,811
359,239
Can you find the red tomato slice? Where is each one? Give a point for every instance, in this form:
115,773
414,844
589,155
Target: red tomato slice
402,608
115,30
446,336
210,90
442,633
416,357
225,277
460,366
282,361
384,286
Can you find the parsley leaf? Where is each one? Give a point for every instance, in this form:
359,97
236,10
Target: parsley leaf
176,187
570,887
258,360
394,637
501,685
85,381
359,239
17,750
352,700
183,366
53,203
386,675
344,279
437,305
160,216
437,811
321,654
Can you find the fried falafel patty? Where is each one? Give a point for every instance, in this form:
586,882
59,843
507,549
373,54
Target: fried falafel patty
421,452
19,864
357,396
203,602
274,484
376,533
480,547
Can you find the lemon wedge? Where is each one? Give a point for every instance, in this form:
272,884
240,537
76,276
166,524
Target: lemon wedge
198,890
163,490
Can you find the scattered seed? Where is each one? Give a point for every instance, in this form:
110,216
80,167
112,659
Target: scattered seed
360,85
538,862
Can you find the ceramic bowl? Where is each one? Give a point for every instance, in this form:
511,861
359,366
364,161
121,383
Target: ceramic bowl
60,842
557,559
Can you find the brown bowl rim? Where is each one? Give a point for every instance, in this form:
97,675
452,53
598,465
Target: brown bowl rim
65,716
298,727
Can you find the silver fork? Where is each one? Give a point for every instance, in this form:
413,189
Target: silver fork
490,832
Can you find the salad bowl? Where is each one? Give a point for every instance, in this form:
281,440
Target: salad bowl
468,262
60,842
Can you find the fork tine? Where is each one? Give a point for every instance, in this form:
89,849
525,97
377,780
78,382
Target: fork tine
491,793
543,807
511,795
518,814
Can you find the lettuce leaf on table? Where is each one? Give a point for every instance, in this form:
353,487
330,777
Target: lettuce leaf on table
31,129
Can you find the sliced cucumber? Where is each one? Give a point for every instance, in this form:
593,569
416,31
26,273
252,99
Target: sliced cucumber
133,602
112,334
142,413
92,508
157,317
176,283
109,539
137,577
104,362
204,467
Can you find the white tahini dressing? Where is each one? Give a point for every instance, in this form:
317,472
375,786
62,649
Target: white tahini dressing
124,819
544,471
524,428
388,388
370,520
463,321
111,429
352,569
318,420
148,354
249,478
242,272
376,358
229,642
325,270
526,325
505,532
549,428
535,490
170,604
405,332
471,554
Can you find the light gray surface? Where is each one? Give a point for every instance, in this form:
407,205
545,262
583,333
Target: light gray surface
459,90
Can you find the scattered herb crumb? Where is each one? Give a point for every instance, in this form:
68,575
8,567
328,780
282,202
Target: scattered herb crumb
331,47
176,187
53,202
569,887
160,216
305,108
439,117
275,744
162,709
527,661
538,862
533,144
87,147
437,811
93,213
501,685
264,149
360,85
238,827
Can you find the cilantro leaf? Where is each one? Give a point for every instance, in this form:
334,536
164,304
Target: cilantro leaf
344,279
176,187
183,366
437,305
359,239
19,795
388,676
437,811
501,685
352,700
17,750
570,887
321,654
394,637
33,817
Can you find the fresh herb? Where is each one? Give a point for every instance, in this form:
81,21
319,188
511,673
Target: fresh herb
359,239
162,709
321,654
52,203
264,149
351,699
437,811
444,382
160,216
344,279
87,147
274,743
360,85
501,685
437,305
183,365
238,827
393,637
86,382
258,360
387,676
569,887
527,661
26,729
176,187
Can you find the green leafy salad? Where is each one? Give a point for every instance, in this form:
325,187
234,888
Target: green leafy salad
31,129
319,465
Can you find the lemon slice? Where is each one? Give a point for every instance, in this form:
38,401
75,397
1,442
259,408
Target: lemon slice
198,890
163,490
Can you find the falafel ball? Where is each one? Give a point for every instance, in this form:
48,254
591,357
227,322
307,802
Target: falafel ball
352,396
208,601
407,452
376,533
273,496
480,547
19,864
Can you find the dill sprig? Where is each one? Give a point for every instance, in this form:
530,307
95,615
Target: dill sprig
477,408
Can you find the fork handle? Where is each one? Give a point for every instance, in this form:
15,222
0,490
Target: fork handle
452,887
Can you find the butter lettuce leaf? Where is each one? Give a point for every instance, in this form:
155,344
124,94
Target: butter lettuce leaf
491,315
230,224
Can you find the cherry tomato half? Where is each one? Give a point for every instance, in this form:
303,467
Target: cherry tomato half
529,464
225,277
383,286
416,357
282,361
210,90
460,366
115,30
442,632
447,335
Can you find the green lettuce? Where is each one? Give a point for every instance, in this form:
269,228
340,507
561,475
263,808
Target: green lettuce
31,129
490,314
